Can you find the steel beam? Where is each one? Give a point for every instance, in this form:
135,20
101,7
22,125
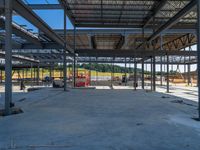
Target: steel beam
28,46
116,61
19,58
154,12
100,25
125,32
23,33
45,6
105,53
69,13
121,42
33,18
27,65
128,53
174,19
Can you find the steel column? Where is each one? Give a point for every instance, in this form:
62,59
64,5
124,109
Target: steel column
23,74
90,72
142,73
74,61
38,74
154,73
18,74
184,67
53,69
8,56
64,52
113,70
198,54
167,73
125,72
144,40
188,75
111,79
31,74
154,59
50,71
60,71
146,68
34,73
161,72
161,59
135,74
42,73
151,73
96,73
1,76
26,73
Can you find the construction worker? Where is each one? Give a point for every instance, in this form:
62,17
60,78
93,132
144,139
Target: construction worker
22,86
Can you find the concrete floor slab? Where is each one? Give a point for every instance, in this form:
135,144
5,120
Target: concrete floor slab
101,119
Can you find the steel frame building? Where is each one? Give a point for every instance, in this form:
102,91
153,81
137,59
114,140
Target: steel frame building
140,32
